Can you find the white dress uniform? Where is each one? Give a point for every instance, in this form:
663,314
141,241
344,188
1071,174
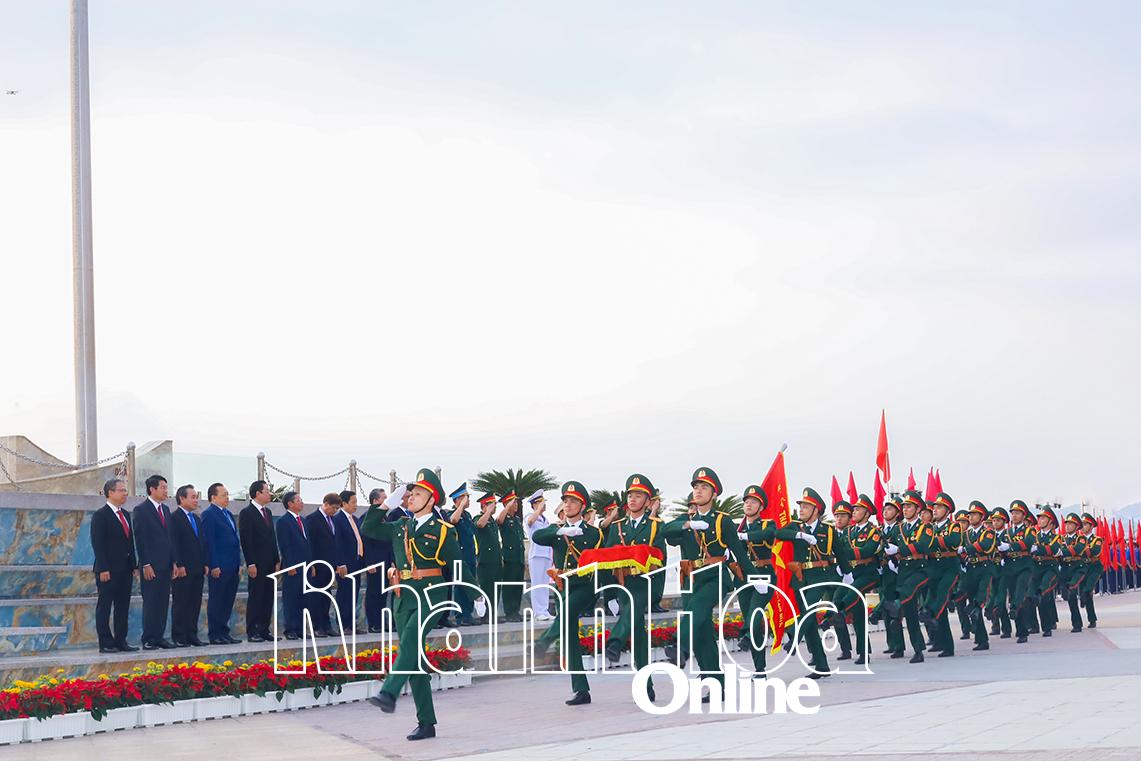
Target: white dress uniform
539,559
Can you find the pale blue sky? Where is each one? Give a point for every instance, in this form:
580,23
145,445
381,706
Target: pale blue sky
657,235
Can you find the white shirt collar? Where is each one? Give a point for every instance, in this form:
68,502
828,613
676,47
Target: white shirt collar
575,524
114,509
156,504
186,510
422,519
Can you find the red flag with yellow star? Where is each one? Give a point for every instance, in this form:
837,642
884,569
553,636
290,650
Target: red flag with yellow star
782,610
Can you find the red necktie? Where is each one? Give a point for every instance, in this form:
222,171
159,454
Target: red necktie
161,517
300,525
126,531
265,514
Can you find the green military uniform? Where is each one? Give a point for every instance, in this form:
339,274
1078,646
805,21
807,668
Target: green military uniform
701,590
917,539
843,552
1045,553
1019,571
578,591
1000,614
1093,568
889,608
943,575
626,532
962,606
813,562
423,547
514,559
978,581
489,556
861,544
658,580
1073,546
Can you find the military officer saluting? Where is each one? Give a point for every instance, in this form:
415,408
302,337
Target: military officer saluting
814,561
423,546
514,554
569,538
489,563
978,549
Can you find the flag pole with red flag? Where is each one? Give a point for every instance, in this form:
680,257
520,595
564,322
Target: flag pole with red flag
883,462
775,486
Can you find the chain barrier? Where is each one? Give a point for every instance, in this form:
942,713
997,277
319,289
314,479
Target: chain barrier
383,481
287,474
9,476
64,466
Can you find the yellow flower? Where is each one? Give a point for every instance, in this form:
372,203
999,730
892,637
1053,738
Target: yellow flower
227,663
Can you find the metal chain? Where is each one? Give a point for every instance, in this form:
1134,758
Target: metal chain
9,476
286,473
378,480
65,466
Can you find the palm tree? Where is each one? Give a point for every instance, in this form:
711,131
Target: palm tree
524,482
600,498
731,504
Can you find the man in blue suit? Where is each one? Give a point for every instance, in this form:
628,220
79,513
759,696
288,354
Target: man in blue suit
376,551
293,541
189,568
156,559
322,543
350,558
224,558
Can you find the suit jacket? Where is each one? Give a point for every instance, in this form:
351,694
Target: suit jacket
259,541
189,550
376,551
152,537
321,540
220,539
114,551
293,543
346,542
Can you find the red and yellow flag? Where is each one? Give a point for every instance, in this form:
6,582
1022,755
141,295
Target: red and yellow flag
776,490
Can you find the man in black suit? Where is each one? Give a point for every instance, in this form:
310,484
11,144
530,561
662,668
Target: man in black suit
259,545
112,541
189,569
156,559
293,541
322,541
376,551
350,559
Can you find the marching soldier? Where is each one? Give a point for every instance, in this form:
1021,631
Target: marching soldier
658,580
1019,569
962,606
423,546
570,537
943,574
705,537
1047,550
863,561
514,554
1073,568
489,555
978,549
637,528
814,561
841,521
889,608
1093,568
1000,616
916,538
927,517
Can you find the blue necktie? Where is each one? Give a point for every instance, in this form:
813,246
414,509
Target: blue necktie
193,523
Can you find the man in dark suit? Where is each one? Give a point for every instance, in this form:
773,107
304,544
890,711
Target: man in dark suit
375,551
323,543
224,558
156,561
350,559
112,541
259,545
189,569
293,541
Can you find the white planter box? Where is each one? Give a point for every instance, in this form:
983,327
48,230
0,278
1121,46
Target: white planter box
116,718
303,698
157,714
55,727
222,707
13,731
252,704
450,680
354,691
374,687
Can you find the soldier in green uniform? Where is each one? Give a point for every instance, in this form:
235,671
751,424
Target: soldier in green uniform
888,609
423,545
943,574
705,537
1093,568
489,563
658,580
1047,550
514,554
978,549
841,521
916,539
1000,616
1019,569
641,529
813,562
962,609
1073,568
569,538
862,562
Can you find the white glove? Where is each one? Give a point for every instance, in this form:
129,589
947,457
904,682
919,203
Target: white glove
1003,547
570,531
480,607
613,605
743,536
847,578
809,538
396,497
1057,553
699,525
761,586
890,550
1033,548
962,550
893,566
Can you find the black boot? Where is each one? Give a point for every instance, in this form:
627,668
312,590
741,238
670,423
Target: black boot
897,654
861,659
982,646
613,652
917,658
423,732
579,699
384,702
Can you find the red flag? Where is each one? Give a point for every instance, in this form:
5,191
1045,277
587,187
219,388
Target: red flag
1106,534
1132,547
877,498
882,461
853,495
938,483
911,479
929,494
776,490
1120,544
837,495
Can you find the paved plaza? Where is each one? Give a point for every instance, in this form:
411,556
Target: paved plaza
1047,700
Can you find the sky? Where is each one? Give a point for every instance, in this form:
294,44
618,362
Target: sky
594,238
